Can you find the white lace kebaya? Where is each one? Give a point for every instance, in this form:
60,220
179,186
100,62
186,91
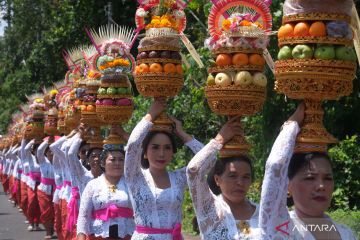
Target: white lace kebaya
153,207
214,215
47,184
275,221
97,198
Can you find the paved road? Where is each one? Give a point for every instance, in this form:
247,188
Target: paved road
12,225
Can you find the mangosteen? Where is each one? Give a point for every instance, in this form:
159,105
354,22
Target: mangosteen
175,55
165,54
142,55
153,54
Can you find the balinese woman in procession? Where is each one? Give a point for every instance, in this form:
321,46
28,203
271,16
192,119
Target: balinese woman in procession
306,178
218,189
47,186
105,209
156,193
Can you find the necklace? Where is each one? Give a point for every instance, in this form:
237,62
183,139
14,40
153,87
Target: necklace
112,187
244,227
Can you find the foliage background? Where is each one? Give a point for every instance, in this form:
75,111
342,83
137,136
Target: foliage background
30,57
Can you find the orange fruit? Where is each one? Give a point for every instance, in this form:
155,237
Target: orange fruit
301,29
240,59
256,59
223,59
83,107
170,68
137,70
156,68
179,69
317,29
90,108
286,30
143,68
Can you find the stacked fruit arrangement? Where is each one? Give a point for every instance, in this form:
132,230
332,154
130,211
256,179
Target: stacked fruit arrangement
50,127
236,84
35,121
63,91
159,70
316,62
114,103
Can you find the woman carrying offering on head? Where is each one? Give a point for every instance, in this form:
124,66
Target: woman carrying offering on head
156,194
307,178
218,189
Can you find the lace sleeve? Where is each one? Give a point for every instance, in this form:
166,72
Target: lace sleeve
27,149
203,198
134,150
273,211
40,153
56,147
194,145
85,210
75,165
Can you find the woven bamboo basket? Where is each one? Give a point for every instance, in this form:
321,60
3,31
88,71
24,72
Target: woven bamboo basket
114,114
159,85
316,17
90,118
159,47
158,60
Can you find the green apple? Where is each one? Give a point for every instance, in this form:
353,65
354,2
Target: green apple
243,78
223,80
111,91
345,53
210,81
122,91
325,52
260,79
101,91
128,90
302,51
285,53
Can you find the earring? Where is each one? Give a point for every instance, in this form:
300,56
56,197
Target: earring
289,194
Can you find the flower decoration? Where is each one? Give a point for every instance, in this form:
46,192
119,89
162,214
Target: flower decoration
237,20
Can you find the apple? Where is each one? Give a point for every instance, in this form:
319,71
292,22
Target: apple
107,102
142,55
338,29
285,53
325,52
302,51
111,91
121,90
98,102
243,78
123,102
345,54
223,80
101,91
260,79
165,54
153,54
210,81
175,55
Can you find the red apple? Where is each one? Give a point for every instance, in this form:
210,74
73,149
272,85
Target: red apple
107,102
123,102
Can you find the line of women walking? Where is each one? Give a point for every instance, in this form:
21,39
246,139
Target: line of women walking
127,192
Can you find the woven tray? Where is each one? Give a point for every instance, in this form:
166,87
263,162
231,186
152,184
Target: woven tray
90,118
234,68
158,60
159,85
311,40
114,114
315,17
235,100
159,48
236,50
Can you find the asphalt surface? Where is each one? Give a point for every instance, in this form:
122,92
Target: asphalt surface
12,225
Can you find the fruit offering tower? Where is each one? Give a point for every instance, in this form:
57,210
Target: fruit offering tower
51,120
88,109
75,61
35,122
316,62
159,70
63,89
114,103
236,84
